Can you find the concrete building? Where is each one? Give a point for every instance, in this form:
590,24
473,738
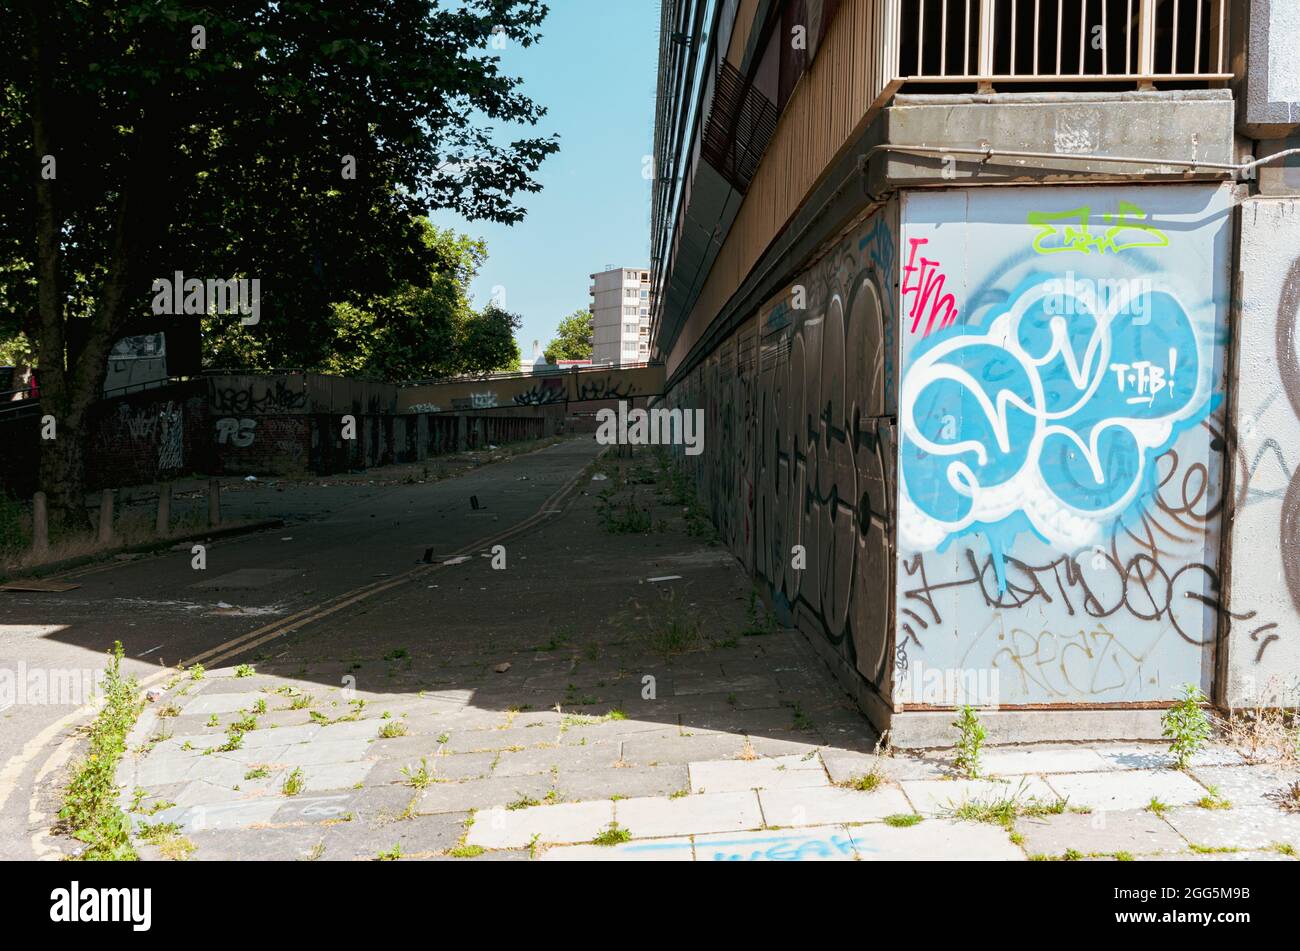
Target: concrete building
992,317
620,308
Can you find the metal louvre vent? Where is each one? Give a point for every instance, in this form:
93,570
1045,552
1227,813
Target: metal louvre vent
741,124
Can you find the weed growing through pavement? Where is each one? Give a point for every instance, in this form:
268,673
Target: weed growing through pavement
869,781
90,808
1213,800
418,778
902,820
614,835
668,625
760,619
1187,726
293,783
970,743
167,838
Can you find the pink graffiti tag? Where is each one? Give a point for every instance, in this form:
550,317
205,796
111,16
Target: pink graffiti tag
927,289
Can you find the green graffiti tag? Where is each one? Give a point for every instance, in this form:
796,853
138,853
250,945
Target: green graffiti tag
1125,231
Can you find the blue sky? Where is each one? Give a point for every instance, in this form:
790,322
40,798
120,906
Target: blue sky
594,70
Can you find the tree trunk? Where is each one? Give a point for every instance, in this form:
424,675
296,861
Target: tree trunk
71,383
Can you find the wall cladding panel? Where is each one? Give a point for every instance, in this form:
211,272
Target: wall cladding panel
1061,440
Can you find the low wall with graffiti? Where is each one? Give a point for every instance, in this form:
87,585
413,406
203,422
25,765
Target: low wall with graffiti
147,436
283,424
1264,590
583,385
983,435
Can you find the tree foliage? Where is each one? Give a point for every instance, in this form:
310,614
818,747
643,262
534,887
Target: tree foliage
572,338
143,137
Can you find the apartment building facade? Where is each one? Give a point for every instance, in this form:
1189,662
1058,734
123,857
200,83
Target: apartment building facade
991,307
621,298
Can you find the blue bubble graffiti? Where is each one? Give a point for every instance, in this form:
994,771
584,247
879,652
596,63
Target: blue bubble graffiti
1049,417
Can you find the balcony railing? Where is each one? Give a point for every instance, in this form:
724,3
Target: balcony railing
990,42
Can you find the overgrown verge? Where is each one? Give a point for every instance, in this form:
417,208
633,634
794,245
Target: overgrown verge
90,810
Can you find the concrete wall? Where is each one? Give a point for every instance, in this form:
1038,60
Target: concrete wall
1264,590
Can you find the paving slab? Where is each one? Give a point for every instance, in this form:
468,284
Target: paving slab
454,768
1131,831
794,743
1248,785
1157,756
719,776
354,729
934,840
1242,827
830,843
209,703
845,766
607,783
482,793
655,850
240,845
232,815
1015,762
697,814
418,835
320,752
279,736
830,805
322,777
314,809
202,793
563,823
1128,789
473,741
671,748
547,760
939,796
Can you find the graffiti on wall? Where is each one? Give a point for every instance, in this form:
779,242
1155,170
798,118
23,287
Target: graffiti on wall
233,431
255,396
798,474
1060,446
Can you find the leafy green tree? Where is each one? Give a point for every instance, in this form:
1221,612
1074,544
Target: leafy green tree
572,338
428,329
487,341
292,141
